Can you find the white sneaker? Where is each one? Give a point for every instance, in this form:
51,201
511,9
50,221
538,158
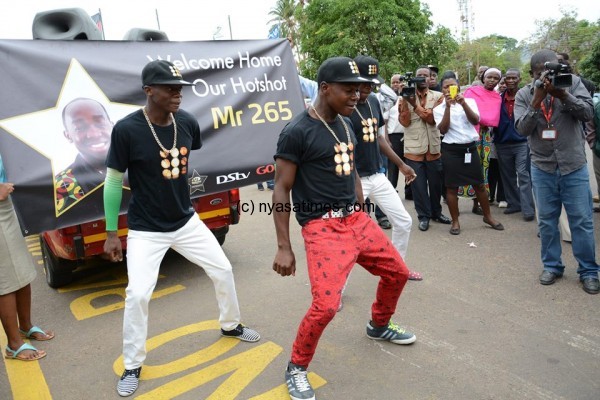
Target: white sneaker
502,204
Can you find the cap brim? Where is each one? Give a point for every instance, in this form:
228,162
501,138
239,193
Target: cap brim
173,82
357,79
377,80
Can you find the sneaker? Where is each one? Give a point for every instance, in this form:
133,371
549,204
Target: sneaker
502,204
392,333
128,383
384,223
243,333
298,385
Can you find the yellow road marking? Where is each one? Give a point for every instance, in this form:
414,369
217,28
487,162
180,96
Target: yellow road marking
82,307
26,379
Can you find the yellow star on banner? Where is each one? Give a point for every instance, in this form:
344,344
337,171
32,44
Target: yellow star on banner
43,130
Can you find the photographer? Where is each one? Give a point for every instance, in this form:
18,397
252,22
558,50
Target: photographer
422,146
551,118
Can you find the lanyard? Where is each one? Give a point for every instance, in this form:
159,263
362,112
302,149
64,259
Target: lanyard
548,115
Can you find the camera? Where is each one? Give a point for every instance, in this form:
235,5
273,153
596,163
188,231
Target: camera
559,74
410,88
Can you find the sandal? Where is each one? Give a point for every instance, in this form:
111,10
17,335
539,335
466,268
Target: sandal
40,337
477,210
14,354
455,231
414,276
498,226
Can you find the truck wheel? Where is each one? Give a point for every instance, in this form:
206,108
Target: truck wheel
59,272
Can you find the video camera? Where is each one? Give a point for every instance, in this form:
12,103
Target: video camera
559,74
410,89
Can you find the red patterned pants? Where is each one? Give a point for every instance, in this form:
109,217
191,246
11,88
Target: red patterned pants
333,246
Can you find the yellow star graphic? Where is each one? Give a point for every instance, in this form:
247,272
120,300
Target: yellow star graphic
43,130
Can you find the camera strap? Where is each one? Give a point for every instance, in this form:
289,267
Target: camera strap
548,113
549,133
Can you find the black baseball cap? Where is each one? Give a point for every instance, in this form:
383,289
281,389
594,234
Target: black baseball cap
433,68
369,69
339,70
162,72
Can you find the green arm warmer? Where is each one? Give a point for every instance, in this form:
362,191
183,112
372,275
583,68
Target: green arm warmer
113,193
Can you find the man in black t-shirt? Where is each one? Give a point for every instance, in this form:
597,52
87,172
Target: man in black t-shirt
368,123
315,160
153,144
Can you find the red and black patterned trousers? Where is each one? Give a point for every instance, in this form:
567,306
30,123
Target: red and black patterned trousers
333,247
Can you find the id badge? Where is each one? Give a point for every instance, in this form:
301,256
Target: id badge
467,158
549,134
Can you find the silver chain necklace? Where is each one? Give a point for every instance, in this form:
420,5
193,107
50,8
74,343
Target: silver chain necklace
343,159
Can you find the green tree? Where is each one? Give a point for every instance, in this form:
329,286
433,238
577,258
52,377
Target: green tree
284,16
396,32
494,51
566,35
590,65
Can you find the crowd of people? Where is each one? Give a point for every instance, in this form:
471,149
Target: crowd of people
350,144
494,141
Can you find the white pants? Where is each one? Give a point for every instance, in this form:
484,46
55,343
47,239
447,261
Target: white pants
145,251
379,189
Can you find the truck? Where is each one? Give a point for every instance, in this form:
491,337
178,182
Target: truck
68,249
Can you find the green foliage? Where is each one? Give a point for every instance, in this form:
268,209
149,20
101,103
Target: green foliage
494,51
396,32
399,33
590,65
566,35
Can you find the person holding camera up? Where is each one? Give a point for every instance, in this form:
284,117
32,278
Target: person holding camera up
422,147
456,119
549,112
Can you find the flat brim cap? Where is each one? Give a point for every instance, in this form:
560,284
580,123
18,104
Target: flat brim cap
433,68
369,69
162,72
339,70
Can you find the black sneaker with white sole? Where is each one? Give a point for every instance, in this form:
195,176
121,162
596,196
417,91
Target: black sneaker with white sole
128,383
297,383
391,333
243,333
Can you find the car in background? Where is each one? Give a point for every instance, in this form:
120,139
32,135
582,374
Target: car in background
67,249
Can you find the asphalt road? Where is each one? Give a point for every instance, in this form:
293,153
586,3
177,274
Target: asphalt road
486,329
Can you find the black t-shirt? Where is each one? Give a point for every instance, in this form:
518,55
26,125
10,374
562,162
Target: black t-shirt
368,157
318,187
157,204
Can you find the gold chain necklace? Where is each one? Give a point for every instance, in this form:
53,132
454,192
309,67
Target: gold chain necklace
170,166
343,152
368,124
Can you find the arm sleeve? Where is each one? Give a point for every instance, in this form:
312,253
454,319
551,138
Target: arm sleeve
113,193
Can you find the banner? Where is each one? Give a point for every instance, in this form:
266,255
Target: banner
245,93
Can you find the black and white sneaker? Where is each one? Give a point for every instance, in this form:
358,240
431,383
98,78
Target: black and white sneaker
298,385
128,383
391,333
243,333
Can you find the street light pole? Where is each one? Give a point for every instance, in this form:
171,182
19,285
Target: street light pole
469,65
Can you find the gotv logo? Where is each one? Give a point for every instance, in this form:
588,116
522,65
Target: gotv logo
234,176
265,169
